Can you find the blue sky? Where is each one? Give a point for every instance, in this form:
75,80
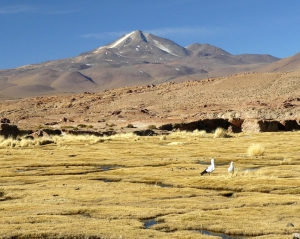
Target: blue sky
34,31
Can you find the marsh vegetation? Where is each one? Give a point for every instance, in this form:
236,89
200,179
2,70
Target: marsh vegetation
126,186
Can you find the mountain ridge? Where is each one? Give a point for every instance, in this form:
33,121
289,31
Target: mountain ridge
136,58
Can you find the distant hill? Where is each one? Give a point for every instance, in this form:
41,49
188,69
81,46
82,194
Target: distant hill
287,64
137,58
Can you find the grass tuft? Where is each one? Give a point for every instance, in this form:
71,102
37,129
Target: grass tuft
27,142
186,134
152,126
9,142
2,139
163,137
2,192
45,141
220,133
256,150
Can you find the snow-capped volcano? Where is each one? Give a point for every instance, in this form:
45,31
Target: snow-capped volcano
144,45
136,58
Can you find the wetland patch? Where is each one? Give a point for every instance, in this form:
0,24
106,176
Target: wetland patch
149,223
222,235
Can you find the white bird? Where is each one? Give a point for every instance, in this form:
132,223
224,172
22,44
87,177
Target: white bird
210,168
231,168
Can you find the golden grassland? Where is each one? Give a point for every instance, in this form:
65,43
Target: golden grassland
108,187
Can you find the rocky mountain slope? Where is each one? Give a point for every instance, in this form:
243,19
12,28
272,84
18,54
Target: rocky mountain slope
247,95
137,58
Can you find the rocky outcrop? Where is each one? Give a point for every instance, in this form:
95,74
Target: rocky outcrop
8,130
147,132
232,125
237,122
4,121
236,125
288,125
37,134
89,132
53,131
208,125
257,125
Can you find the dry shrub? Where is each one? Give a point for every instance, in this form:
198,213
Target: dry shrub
69,139
27,142
200,133
45,141
123,136
256,150
1,139
130,126
220,133
92,139
185,134
163,137
36,142
10,142
179,134
152,126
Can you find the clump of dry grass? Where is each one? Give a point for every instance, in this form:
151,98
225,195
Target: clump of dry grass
1,139
186,134
1,192
124,136
9,142
163,137
200,133
27,142
45,141
152,126
256,150
220,133
69,138
91,139
35,142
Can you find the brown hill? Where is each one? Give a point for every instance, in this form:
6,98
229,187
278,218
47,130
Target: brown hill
248,95
44,77
73,82
287,64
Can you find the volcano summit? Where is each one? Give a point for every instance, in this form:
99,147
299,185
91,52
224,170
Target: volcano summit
137,58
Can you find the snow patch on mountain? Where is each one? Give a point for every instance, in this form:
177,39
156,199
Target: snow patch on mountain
114,44
119,41
162,47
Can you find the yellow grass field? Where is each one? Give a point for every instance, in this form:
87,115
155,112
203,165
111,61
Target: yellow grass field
127,186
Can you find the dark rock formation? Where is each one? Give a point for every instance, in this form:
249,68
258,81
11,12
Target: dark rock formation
8,130
235,125
288,125
4,121
147,132
208,125
257,125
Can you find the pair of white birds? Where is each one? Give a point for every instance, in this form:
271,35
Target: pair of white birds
212,167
